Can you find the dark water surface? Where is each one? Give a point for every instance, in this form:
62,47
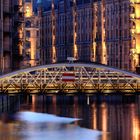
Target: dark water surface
102,117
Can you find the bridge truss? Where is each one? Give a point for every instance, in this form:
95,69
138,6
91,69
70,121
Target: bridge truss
88,78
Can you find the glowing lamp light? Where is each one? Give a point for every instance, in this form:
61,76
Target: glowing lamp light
132,16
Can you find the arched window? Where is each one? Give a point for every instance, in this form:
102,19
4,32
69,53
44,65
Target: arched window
133,24
28,24
132,9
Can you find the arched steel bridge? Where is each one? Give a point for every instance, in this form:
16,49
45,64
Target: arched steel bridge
70,78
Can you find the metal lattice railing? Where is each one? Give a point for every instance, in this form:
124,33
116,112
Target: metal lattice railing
70,78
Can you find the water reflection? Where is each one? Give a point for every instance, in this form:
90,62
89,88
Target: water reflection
8,132
57,132
43,131
94,116
45,127
135,123
117,117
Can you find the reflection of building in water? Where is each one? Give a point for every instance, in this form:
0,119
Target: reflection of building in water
75,108
122,121
54,100
7,131
104,120
3,103
33,108
100,119
38,103
104,116
7,103
135,123
94,121
117,123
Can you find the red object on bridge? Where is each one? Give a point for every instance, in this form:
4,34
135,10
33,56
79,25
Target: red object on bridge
68,77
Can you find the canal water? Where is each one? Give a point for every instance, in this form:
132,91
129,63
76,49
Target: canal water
28,117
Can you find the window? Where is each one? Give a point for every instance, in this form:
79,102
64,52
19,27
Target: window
37,33
0,10
28,24
125,7
116,21
125,19
28,44
125,33
28,34
27,0
116,49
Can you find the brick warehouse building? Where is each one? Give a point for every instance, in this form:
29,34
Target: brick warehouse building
102,31
77,29
123,33
30,49
11,29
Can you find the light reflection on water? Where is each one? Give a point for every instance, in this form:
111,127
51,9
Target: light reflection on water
43,131
117,117
57,132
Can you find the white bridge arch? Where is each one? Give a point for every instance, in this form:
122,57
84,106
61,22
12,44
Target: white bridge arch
70,78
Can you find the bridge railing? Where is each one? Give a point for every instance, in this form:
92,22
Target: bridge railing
70,78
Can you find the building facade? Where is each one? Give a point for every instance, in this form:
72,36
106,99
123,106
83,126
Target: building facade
11,17
1,36
102,31
122,33
135,33
17,34
31,36
5,36
73,29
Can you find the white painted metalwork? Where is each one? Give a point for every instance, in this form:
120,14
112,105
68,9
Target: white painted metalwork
89,78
